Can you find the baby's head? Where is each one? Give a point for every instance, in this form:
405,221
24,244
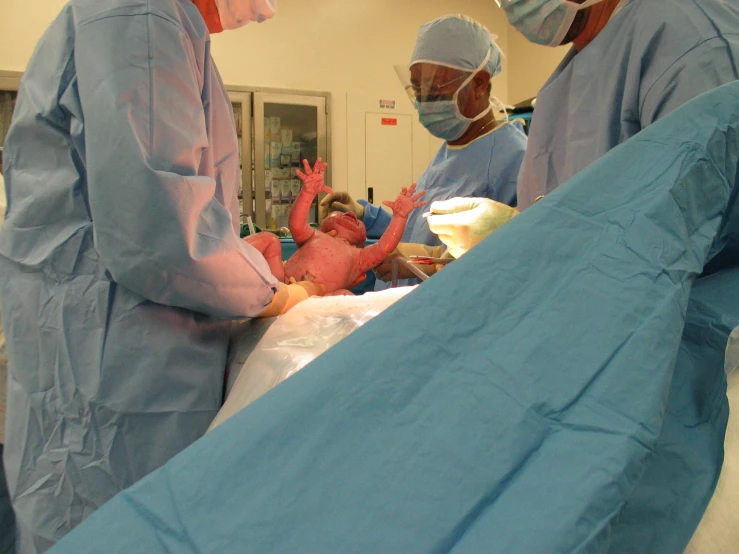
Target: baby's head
347,227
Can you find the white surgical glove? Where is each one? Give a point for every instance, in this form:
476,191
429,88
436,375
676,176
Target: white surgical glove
461,223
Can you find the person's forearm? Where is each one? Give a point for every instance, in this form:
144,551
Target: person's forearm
300,230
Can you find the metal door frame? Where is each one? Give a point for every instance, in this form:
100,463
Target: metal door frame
247,162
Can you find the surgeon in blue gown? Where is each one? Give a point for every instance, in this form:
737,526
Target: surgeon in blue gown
120,258
451,66
632,63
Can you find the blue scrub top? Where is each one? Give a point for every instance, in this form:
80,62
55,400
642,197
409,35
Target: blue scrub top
486,167
651,57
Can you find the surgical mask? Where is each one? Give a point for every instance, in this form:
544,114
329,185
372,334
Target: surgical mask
237,13
544,21
443,119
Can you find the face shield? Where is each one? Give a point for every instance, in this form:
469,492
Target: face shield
440,93
425,82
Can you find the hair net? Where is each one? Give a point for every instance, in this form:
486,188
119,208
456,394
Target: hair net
457,41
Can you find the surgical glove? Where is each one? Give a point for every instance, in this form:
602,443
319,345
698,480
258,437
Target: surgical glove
384,271
339,202
461,223
289,295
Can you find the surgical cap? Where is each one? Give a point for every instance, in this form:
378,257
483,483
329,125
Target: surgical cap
456,41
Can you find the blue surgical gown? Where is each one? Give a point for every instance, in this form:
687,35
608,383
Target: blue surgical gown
651,57
120,259
486,167
516,413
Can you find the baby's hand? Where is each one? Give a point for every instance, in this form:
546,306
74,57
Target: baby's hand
406,201
313,178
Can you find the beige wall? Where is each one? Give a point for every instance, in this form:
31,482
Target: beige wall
21,25
340,46
336,46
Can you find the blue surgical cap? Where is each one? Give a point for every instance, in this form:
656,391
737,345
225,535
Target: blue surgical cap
456,41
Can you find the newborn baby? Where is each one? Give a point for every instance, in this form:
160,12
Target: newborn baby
334,255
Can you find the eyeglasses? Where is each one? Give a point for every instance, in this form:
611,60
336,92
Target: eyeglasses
431,93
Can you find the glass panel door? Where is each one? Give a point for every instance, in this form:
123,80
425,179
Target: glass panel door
287,129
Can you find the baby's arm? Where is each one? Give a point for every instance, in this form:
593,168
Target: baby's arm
404,204
312,185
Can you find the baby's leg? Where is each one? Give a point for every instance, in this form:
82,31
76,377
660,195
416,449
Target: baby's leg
269,246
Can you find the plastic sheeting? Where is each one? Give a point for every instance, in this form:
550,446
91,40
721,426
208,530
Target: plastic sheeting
7,518
294,340
718,531
732,352
719,528
530,397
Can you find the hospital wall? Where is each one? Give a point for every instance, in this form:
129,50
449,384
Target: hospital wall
334,46
341,47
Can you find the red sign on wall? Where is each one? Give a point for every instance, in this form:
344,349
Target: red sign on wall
389,121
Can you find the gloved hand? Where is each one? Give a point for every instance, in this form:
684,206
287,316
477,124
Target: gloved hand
289,295
461,223
384,271
339,202
313,178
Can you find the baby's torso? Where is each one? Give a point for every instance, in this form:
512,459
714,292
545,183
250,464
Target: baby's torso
326,260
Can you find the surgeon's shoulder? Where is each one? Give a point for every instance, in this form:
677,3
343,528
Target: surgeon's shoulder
512,132
673,27
183,15
683,47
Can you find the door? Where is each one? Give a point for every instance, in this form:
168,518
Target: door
287,129
388,155
387,148
241,105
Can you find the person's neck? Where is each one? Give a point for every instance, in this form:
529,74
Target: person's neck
476,130
598,16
